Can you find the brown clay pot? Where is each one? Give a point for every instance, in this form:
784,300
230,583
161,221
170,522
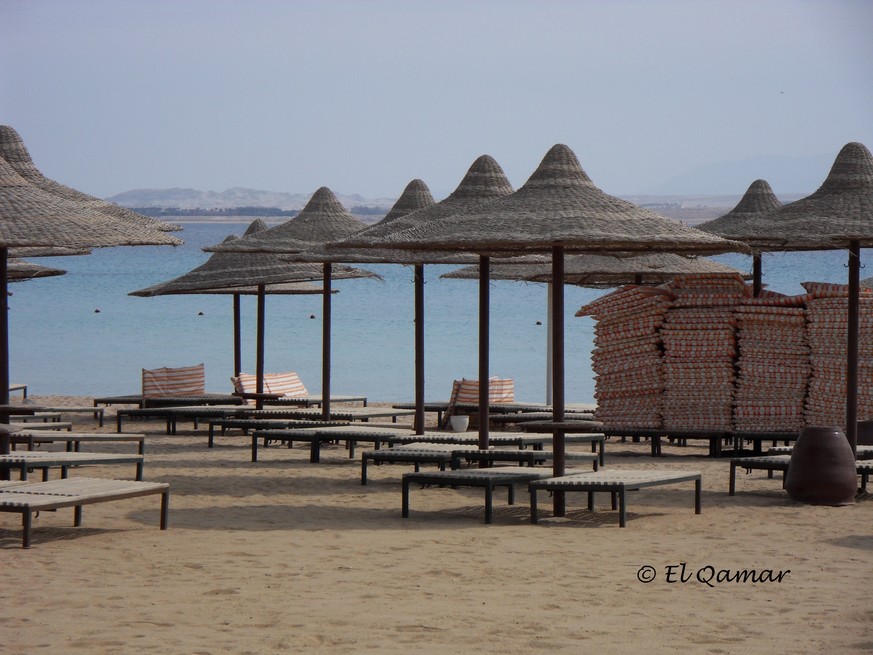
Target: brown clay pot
865,433
822,469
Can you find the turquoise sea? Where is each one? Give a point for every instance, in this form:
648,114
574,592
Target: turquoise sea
61,344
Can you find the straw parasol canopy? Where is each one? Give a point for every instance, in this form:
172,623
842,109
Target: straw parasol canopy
559,205
13,150
45,251
597,271
237,274
558,209
415,196
743,223
19,270
30,216
246,269
484,181
322,219
839,215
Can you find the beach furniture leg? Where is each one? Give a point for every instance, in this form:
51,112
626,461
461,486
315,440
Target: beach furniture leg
697,487
315,450
77,516
622,510
732,486
533,504
165,509
26,526
405,506
364,469
139,467
254,448
612,499
489,498
590,501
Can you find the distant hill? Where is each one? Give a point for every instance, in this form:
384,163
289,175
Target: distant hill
189,205
235,197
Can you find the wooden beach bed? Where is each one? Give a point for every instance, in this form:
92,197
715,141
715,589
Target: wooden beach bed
616,483
27,498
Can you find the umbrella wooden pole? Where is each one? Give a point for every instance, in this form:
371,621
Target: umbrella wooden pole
756,275
237,336
419,349
259,371
558,464
852,355
549,301
484,348
5,441
325,343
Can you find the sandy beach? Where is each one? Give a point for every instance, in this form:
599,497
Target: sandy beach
286,556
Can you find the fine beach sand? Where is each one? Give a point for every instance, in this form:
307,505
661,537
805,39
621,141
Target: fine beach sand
284,556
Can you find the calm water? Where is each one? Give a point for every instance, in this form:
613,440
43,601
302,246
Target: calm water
60,344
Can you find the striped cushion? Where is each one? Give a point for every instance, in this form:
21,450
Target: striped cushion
286,384
499,391
182,381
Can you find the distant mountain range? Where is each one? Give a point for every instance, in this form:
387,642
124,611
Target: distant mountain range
235,197
689,209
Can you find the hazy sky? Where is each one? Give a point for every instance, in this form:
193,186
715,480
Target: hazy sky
362,96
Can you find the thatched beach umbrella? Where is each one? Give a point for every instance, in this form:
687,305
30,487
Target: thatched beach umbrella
12,149
744,220
483,182
228,272
598,271
558,209
19,270
323,219
838,216
31,217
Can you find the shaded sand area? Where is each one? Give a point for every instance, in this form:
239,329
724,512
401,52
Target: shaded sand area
287,556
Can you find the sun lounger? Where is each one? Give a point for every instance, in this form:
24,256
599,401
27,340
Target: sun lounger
50,425
73,440
27,498
487,478
363,414
452,455
861,451
314,400
172,415
615,482
18,387
31,459
326,432
772,463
